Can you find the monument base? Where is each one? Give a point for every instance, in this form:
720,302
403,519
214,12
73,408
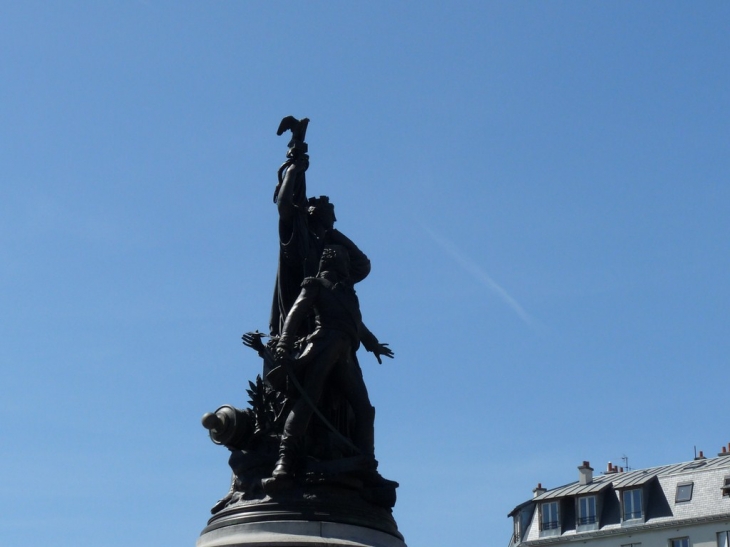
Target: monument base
309,513
285,533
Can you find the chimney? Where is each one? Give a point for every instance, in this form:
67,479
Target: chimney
585,474
701,456
610,469
724,452
539,491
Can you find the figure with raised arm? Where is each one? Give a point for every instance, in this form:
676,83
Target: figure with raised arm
305,227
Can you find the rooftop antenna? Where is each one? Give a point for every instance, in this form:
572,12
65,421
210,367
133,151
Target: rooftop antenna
625,459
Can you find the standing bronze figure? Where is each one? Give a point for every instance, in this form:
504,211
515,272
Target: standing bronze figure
329,355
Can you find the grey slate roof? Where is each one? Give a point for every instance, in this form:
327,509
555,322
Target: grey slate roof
575,489
630,479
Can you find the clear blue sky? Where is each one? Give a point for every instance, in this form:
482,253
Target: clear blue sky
542,188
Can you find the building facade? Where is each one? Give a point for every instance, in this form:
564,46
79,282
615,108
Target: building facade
680,505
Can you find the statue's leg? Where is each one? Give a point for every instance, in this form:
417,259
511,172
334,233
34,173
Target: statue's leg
349,378
315,378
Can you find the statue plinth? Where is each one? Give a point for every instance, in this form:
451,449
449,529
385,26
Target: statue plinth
287,533
317,508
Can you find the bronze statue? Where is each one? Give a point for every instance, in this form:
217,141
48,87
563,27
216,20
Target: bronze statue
309,432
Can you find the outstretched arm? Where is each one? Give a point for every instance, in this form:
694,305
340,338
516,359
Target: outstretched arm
253,341
372,344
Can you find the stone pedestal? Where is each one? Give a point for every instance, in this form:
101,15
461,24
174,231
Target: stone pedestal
314,515
287,533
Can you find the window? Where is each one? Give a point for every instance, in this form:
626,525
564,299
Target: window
684,492
726,487
631,545
723,539
632,504
679,542
549,517
587,510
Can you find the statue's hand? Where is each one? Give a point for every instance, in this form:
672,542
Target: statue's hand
281,354
283,348
299,164
253,341
384,350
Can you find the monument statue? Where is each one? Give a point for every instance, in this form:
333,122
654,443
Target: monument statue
303,452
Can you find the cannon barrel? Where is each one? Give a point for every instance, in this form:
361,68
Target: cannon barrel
228,426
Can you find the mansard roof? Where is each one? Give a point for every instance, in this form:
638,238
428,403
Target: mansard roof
709,499
634,478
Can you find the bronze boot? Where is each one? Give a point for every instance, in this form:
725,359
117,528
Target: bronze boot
284,467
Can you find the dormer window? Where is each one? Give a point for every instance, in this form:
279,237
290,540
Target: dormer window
587,510
550,518
522,515
632,507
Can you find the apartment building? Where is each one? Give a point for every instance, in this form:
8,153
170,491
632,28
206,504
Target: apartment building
679,505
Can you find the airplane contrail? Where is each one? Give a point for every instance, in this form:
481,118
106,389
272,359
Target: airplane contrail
480,275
